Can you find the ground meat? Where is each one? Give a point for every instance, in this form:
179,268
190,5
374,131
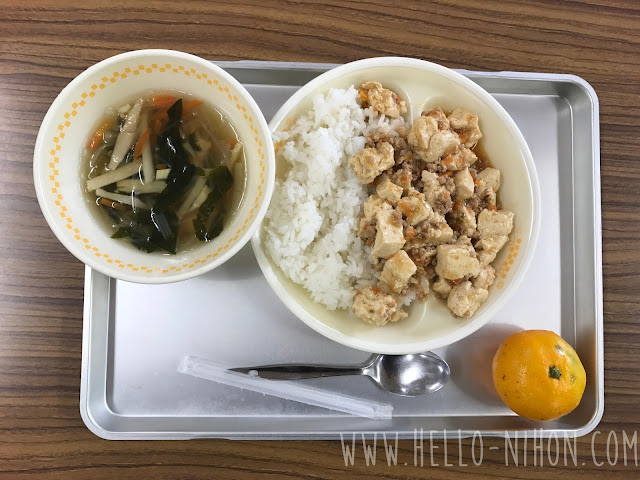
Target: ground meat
403,156
408,161
421,256
403,176
429,270
478,203
367,231
431,167
416,169
475,204
397,142
443,205
448,183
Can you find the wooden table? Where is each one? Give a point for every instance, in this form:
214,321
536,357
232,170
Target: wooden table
43,45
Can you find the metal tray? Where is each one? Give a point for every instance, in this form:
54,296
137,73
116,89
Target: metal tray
130,388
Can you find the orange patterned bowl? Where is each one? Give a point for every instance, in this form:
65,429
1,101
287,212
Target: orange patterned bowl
67,125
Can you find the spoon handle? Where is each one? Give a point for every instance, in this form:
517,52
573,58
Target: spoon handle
297,372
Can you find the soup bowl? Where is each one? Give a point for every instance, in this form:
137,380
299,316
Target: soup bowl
430,325
76,111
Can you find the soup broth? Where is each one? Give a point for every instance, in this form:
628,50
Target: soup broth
164,172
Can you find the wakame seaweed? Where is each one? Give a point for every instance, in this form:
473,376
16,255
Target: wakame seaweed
208,226
169,143
166,234
172,153
147,232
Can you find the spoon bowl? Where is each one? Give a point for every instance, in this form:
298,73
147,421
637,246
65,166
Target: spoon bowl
409,375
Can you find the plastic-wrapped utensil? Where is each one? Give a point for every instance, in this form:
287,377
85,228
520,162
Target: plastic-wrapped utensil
219,373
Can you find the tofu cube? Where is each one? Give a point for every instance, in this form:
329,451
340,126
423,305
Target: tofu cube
456,261
485,278
389,191
488,247
389,237
415,208
498,222
397,271
465,299
442,287
443,142
464,241
374,307
433,191
459,160
438,234
371,162
384,100
490,177
430,180
423,128
373,205
464,184
466,124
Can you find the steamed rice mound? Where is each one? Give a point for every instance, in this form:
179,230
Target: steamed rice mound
311,226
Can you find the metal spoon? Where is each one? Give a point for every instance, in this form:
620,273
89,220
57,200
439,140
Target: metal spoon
408,375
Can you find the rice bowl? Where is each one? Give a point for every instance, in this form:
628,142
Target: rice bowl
337,262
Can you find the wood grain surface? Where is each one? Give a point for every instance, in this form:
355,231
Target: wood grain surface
43,45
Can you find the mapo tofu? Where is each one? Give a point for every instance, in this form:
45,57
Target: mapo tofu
433,222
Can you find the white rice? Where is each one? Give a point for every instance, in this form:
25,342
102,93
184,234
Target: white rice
313,217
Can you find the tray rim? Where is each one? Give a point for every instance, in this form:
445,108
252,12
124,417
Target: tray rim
94,427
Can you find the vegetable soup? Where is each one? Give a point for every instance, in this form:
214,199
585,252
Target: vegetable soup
165,172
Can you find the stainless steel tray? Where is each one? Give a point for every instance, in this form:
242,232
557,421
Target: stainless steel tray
130,388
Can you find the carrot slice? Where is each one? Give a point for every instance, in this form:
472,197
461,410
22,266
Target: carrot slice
159,100
189,105
96,139
137,151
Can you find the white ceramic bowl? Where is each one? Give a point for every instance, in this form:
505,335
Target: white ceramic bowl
430,325
68,124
